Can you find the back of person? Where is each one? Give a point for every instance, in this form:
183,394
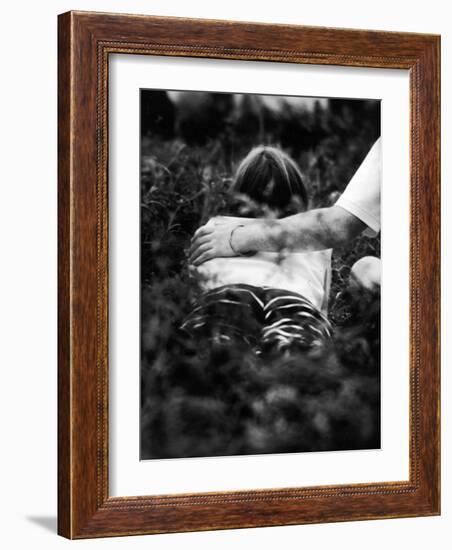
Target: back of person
307,274
269,300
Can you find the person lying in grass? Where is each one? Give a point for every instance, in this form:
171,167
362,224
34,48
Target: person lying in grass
357,210
270,300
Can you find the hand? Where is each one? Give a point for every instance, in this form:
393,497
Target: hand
212,241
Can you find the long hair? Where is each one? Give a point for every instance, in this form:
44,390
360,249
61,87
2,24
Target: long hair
270,177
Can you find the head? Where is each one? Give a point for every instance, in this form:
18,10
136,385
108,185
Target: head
270,177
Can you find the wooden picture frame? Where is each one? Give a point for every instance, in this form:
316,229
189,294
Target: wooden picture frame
85,42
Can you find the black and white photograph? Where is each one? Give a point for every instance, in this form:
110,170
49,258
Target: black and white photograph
260,274
224,236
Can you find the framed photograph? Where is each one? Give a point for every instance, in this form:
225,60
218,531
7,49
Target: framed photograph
249,261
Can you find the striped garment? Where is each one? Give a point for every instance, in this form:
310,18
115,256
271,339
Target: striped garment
267,319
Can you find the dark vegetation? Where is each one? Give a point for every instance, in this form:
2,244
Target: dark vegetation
203,400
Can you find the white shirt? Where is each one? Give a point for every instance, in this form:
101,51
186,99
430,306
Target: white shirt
362,195
307,273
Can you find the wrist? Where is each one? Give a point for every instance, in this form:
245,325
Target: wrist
238,241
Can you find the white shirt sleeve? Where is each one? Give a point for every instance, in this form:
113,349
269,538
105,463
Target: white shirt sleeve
362,195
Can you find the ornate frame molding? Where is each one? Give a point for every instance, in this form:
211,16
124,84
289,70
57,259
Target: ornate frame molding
85,42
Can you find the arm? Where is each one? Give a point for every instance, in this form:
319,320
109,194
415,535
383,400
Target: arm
357,209
313,230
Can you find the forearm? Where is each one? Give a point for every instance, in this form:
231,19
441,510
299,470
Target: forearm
313,230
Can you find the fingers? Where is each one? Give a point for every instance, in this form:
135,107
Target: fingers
210,226
202,231
208,255
201,251
199,241
202,243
